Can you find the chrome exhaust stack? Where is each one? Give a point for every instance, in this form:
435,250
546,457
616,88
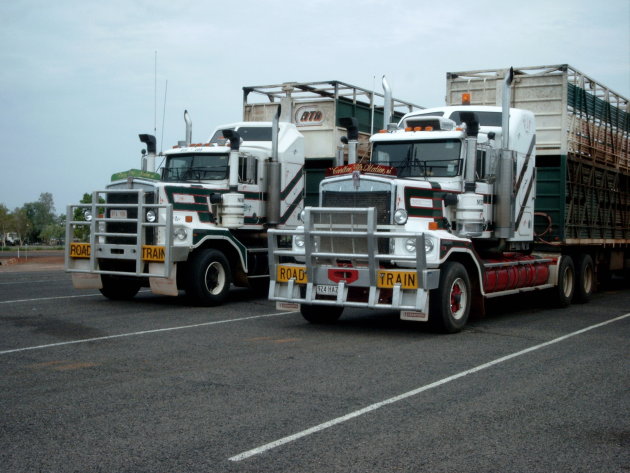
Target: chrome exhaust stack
273,174
387,105
504,217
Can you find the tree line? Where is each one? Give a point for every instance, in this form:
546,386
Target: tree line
34,222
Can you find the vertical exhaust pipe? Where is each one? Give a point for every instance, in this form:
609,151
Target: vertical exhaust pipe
352,126
235,144
506,98
188,128
505,178
148,160
274,182
232,202
387,106
472,130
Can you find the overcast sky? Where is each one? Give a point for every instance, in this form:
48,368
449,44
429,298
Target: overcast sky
77,81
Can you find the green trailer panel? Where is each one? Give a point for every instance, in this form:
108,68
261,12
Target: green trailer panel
579,201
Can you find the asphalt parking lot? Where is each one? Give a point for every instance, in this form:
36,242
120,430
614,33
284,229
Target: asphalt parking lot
156,385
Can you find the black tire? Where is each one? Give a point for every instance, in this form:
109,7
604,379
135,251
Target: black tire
585,282
119,289
565,289
321,314
209,278
449,304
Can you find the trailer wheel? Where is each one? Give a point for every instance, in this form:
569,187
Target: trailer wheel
209,278
566,282
449,304
321,314
585,272
119,289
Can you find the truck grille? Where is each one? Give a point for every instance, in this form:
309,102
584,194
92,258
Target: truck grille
342,222
381,200
131,212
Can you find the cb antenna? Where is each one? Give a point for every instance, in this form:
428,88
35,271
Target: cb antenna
163,115
155,94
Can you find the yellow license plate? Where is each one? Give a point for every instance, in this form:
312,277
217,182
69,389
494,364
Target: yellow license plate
153,253
389,278
286,273
80,250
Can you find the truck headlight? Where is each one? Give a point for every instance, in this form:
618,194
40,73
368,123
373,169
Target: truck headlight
180,233
400,216
151,216
410,245
298,241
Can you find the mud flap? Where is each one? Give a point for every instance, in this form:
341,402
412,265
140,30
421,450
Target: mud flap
87,281
164,286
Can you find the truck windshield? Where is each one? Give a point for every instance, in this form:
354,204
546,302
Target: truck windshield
437,158
195,167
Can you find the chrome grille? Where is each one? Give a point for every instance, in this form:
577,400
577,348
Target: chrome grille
341,222
380,200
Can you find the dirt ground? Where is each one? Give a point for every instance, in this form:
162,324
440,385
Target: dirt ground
49,261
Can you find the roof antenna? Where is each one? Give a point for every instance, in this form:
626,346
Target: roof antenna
155,94
163,115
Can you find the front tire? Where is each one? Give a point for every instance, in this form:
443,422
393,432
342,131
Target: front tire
119,289
209,278
321,314
449,304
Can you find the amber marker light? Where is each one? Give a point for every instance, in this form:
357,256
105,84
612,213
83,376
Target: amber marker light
465,99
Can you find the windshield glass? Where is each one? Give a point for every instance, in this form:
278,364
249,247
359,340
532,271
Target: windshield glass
195,167
438,158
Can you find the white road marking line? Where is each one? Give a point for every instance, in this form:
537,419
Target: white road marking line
144,332
39,299
49,298
32,282
378,405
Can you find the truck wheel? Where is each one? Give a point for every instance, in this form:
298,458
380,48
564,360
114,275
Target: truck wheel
321,314
449,304
119,289
210,277
585,272
566,282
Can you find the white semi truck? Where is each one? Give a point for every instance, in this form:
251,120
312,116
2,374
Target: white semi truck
445,214
200,224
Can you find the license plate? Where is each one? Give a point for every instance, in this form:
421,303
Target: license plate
118,213
80,250
153,253
285,273
389,278
326,290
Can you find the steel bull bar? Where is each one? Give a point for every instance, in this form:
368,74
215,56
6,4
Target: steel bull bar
303,276
82,257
